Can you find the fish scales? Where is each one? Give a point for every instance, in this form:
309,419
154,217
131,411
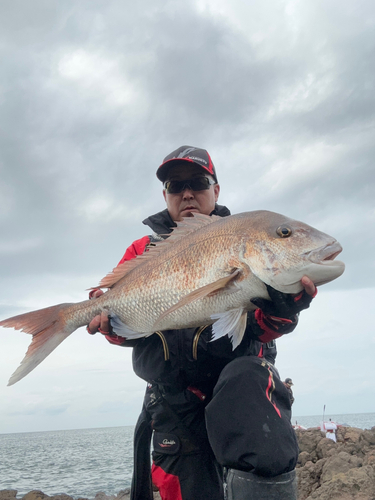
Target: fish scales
206,272
165,280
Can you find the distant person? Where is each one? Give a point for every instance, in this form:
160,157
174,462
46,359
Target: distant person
288,382
330,430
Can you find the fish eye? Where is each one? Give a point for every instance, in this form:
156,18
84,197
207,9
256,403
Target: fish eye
284,231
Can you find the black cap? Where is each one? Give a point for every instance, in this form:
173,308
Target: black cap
289,381
188,154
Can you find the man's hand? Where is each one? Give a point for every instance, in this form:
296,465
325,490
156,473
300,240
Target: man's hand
309,286
99,323
285,305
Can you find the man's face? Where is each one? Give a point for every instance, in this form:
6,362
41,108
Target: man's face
187,202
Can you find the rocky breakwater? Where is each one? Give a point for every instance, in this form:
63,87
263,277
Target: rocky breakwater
343,470
326,470
39,495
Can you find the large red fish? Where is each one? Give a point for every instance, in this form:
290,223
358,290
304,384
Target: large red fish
206,272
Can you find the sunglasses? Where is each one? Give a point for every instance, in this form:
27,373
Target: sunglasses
196,184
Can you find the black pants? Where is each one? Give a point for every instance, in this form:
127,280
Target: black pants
248,419
195,476
184,466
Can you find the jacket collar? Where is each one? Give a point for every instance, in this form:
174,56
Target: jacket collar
162,223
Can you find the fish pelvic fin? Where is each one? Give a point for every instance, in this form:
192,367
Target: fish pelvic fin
122,330
232,323
48,327
185,227
200,293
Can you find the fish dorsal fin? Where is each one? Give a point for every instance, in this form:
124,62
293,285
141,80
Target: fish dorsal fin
190,225
118,273
185,227
200,293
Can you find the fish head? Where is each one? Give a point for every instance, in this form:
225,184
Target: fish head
280,251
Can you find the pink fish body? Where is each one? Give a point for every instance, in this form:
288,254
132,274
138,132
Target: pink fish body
206,272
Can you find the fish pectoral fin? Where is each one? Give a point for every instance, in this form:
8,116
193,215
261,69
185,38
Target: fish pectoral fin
200,293
231,323
122,330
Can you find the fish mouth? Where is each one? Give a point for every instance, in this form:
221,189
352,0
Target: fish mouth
325,255
322,264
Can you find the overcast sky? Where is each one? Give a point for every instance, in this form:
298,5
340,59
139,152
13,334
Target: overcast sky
94,94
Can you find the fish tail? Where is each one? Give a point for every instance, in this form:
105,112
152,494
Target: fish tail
49,327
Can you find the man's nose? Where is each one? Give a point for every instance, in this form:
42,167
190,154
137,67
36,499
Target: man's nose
187,193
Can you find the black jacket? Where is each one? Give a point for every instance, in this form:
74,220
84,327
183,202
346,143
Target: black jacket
177,359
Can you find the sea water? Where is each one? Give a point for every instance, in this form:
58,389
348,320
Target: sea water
83,462
359,420
79,462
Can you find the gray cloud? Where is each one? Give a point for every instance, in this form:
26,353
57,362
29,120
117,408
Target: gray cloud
94,95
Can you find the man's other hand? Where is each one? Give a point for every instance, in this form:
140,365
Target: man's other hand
99,323
285,305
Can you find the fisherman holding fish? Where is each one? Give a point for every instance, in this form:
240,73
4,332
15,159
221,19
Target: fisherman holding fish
183,366
200,304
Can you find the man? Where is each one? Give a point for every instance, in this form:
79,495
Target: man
288,384
182,367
